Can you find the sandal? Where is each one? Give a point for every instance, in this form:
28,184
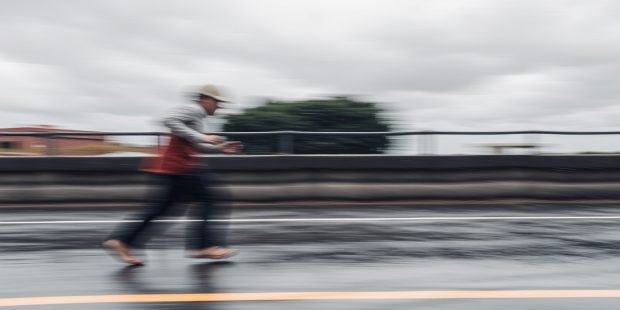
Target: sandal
121,250
214,252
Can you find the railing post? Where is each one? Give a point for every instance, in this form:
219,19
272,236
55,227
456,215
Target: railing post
534,141
426,144
51,148
432,143
421,140
285,143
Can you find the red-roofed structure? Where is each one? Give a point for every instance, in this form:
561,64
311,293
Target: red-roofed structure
31,142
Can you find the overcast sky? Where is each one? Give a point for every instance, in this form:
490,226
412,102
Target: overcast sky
115,65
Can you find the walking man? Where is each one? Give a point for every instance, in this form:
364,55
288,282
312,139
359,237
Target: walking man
183,177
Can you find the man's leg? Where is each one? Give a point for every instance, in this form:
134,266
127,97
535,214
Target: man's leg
206,239
127,235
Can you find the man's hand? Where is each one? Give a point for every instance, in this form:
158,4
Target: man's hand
232,147
212,139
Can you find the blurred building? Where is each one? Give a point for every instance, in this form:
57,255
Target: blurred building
43,143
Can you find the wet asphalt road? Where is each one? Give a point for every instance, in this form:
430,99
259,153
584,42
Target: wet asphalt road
439,254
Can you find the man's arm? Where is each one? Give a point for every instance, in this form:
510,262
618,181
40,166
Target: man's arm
209,148
230,147
178,122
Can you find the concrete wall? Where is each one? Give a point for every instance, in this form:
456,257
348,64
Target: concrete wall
255,180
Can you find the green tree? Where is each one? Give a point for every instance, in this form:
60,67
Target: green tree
334,114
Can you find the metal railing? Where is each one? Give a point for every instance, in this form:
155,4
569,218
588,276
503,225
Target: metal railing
286,139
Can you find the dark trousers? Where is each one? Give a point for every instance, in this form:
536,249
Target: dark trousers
197,187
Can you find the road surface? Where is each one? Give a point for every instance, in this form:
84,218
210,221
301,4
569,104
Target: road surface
440,258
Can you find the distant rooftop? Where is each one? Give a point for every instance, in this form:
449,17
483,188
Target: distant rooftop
41,128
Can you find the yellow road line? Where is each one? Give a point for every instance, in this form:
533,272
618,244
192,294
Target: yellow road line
291,296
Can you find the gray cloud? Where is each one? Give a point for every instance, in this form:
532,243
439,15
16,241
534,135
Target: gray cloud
480,64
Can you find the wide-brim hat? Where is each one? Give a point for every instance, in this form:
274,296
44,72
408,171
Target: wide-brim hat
213,92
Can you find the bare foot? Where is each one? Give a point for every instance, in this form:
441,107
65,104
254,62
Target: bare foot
214,252
122,250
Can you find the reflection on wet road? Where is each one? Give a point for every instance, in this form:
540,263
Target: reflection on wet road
438,253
